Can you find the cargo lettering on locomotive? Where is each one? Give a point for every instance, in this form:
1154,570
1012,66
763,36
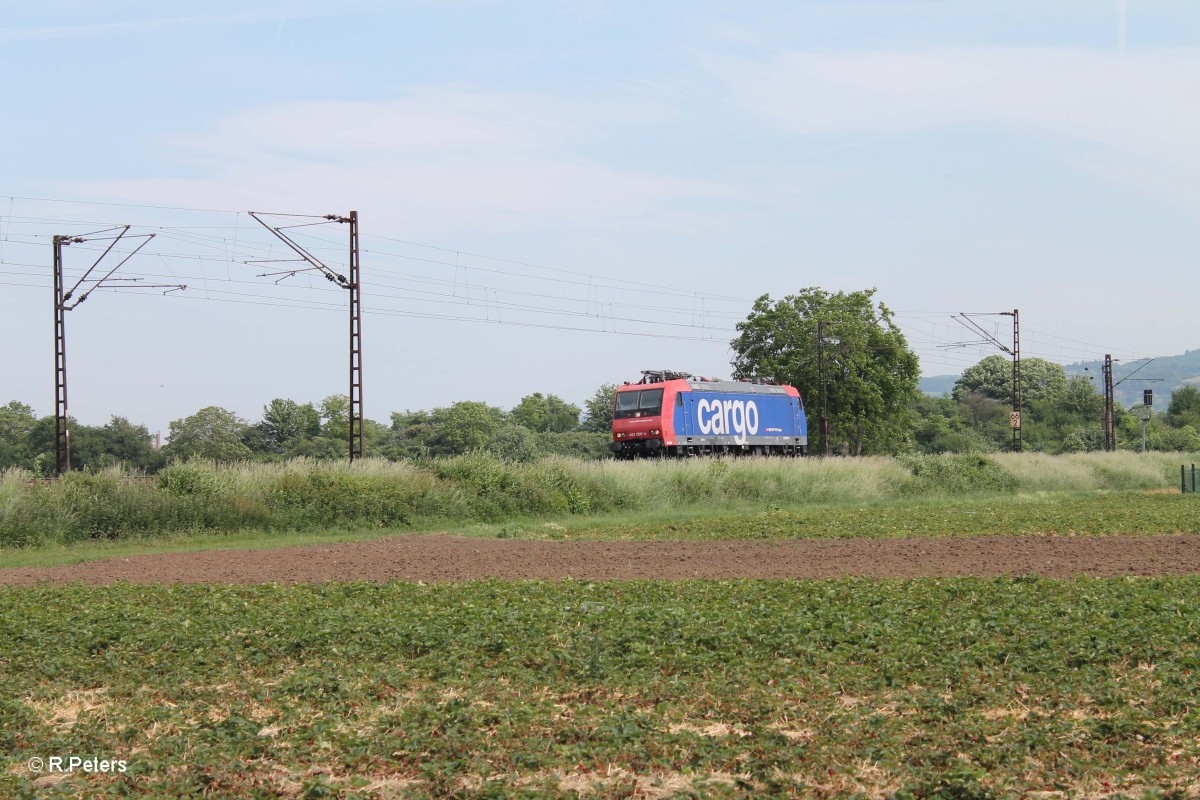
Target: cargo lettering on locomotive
739,417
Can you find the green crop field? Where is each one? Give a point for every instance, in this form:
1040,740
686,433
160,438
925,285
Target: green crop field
1063,515
935,688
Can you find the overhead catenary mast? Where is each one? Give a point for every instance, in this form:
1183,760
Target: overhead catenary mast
351,283
69,299
1014,351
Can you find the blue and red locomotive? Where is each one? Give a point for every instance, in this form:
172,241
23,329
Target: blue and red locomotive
677,414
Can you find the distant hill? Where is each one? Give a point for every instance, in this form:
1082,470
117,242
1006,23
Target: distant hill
1174,371
937,385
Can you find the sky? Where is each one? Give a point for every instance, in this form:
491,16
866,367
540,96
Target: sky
557,195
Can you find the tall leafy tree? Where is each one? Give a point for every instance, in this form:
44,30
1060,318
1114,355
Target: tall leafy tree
993,377
454,430
1065,421
286,422
212,433
598,409
16,423
941,425
91,447
1184,408
335,417
870,372
1081,398
128,444
546,414
468,425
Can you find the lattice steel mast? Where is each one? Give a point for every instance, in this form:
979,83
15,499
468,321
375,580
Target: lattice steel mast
63,303
353,284
1014,351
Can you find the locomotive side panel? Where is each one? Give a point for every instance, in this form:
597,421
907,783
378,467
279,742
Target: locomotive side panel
707,418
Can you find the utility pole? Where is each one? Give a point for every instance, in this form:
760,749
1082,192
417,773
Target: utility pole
1147,412
62,437
1110,423
353,284
1014,351
356,382
824,420
66,300
1016,354
1110,434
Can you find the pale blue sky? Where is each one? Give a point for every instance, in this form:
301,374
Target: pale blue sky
669,162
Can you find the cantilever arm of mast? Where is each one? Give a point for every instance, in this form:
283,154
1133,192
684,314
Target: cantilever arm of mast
304,254
107,250
1135,372
965,320
145,237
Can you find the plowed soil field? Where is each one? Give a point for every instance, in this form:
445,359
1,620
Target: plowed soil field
451,558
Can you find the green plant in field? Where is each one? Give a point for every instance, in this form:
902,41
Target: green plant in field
941,687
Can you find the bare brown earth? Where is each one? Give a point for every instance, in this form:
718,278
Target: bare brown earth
452,558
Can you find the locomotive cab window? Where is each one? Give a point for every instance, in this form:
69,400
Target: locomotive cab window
647,403
627,403
651,402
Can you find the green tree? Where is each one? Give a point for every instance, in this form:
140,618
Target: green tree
211,433
546,414
335,417
1081,399
285,422
1184,408
119,443
941,425
467,426
319,448
870,372
88,446
992,377
458,429
598,410
16,424
1066,421
412,434
1161,436
123,443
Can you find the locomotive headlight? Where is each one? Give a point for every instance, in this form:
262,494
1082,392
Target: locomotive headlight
655,433
620,435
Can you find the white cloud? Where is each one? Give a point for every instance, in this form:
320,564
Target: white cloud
1140,108
427,119
138,27
438,158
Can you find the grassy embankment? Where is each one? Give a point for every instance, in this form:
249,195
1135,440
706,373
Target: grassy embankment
198,505
964,688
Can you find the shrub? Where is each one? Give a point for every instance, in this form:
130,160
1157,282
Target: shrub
956,474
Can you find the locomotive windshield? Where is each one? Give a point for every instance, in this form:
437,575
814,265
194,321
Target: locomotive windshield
646,403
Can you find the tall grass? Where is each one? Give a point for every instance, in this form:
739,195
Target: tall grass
305,495
1038,472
